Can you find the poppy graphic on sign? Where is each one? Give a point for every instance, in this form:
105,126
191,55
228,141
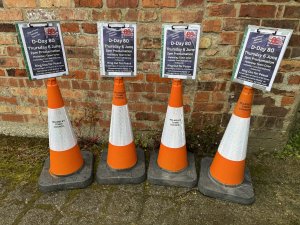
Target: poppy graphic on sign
276,40
51,32
127,32
190,34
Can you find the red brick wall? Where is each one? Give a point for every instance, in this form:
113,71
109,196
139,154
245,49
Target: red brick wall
207,100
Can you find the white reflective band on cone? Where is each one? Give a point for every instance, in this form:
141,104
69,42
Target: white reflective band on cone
235,140
173,135
120,133
61,134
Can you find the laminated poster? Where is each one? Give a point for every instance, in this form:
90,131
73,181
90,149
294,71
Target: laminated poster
180,45
117,49
260,55
43,49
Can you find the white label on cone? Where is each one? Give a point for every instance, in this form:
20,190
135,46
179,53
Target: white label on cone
235,140
61,134
173,135
120,133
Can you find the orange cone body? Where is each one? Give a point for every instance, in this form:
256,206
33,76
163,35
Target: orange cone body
121,149
172,154
65,156
228,165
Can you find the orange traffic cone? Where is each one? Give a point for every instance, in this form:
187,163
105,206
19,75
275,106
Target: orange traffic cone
227,170
65,156
124,163
173,165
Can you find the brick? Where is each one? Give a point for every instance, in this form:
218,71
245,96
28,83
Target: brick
295,40
90,28
286,100
70,27
86,41
239,24
211,86
9,62
155,78
7,27
78,74
12,118
186,3
146,116
222,10
122,3
139,107
208,107
289,65
55,3
202,96
11,15
16,72
258,11
2,73
69,40
158,3
10,100
180,15
148,42
214,63
145,55
20,3
292,12
212,25
13,51
141,87
219,97
79,52
295,79
228,38
159,108
275,111
151,29
260,100
108,14
285,24
72,14
141,15
88,3
1,4
295,53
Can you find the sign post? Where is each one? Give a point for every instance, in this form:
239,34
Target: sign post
226,176
122,162
173,164
66,167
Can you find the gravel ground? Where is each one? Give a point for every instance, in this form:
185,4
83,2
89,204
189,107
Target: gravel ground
276,183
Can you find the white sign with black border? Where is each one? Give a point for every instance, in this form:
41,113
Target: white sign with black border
180,44
260,55
117,49
43,49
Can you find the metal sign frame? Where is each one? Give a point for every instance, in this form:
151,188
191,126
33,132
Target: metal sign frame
24,46
263,30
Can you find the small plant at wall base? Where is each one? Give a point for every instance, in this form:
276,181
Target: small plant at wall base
204,141
292,148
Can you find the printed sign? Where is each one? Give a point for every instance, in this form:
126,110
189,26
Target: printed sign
117,46
43,49
180,51
260,56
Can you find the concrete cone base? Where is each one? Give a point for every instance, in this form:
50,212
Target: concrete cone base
242,193
135,175
185,178
80,179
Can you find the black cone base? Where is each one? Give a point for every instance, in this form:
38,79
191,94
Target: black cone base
80,179
242,193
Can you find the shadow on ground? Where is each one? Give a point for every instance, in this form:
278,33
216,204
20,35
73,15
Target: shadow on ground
276,183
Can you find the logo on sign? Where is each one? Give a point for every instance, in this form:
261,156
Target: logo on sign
276,40
190,34
51,32
127,32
